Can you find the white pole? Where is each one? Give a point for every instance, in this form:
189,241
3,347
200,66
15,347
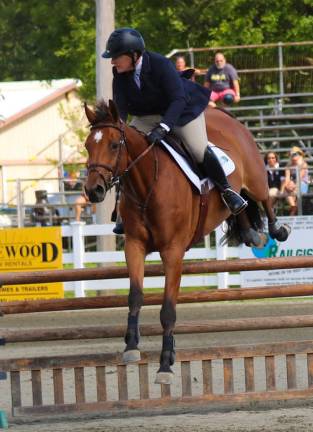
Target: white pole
78,254
221,254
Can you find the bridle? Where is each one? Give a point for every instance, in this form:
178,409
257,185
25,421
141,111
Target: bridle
118,178
94,167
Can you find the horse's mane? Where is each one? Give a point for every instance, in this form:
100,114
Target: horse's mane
102,112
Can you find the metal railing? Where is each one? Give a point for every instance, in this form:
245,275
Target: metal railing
277,67
60,200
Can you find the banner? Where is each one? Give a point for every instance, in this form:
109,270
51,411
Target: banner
299,243
29,249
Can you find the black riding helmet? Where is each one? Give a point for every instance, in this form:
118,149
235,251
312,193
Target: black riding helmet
124,41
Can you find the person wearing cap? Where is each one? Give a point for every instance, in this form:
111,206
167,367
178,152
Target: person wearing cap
297,166
223,81
147,86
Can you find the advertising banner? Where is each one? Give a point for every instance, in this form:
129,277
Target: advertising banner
299,243
28,249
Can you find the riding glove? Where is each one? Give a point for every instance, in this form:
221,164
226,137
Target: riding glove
157,134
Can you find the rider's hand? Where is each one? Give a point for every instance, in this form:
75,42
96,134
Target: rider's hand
157,134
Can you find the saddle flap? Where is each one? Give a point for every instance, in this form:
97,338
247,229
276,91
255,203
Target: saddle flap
178,145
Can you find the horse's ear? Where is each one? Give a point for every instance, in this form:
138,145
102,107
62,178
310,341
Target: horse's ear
113,110
91,115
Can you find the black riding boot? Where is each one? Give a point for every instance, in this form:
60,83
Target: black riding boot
116,217
119,227
215,172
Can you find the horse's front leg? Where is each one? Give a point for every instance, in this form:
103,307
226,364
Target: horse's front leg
135,257
276,230
172,262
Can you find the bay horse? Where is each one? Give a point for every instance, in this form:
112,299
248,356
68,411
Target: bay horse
160,208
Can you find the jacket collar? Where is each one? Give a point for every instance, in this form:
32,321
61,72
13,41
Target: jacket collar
146,66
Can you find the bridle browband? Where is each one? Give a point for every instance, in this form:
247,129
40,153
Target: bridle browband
115,169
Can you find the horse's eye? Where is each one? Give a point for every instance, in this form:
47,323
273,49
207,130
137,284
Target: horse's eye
114,146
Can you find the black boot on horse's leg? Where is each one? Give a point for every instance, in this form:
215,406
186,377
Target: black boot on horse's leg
215,172
167,359
168,318
132,353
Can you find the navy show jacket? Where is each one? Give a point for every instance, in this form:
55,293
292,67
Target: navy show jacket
162,92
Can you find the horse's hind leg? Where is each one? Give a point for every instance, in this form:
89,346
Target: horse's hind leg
249,235
135,257
276,230
172,262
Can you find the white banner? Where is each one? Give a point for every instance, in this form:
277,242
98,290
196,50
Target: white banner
299,243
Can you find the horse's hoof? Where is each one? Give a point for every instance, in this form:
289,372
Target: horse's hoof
252,238
278,231
263,240
283,233
131,356
164,378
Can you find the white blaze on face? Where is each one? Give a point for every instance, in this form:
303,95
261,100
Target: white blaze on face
98,136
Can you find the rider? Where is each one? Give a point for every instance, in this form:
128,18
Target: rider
147,86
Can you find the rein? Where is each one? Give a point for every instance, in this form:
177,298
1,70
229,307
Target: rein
115,169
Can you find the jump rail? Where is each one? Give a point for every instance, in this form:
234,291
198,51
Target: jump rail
100,302
207,326
114,272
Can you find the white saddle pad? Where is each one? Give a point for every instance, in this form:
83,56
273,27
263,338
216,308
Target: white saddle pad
225,161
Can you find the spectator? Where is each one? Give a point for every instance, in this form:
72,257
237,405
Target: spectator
180,63
222,79
42,214
296,164
81,202
185,71
74,184
274,176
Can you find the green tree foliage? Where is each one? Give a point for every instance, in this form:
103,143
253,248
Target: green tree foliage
46,39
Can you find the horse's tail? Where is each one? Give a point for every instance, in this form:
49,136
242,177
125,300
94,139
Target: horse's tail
233,232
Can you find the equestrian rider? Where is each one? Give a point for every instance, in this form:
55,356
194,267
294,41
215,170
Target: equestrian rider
147,86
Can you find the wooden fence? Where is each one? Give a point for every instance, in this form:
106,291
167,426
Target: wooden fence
247,374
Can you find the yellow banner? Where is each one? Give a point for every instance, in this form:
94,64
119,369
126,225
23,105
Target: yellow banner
28,249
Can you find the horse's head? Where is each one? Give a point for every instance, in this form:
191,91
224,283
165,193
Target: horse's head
104,146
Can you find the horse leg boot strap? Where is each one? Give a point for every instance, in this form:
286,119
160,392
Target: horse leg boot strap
214,170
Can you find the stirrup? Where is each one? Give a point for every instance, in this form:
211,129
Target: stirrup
236,207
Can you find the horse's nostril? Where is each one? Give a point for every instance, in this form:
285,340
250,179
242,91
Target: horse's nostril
100,190
97,194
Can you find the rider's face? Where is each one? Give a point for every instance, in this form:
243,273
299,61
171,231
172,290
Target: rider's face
123,63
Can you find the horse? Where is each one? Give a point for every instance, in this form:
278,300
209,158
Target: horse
160,208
